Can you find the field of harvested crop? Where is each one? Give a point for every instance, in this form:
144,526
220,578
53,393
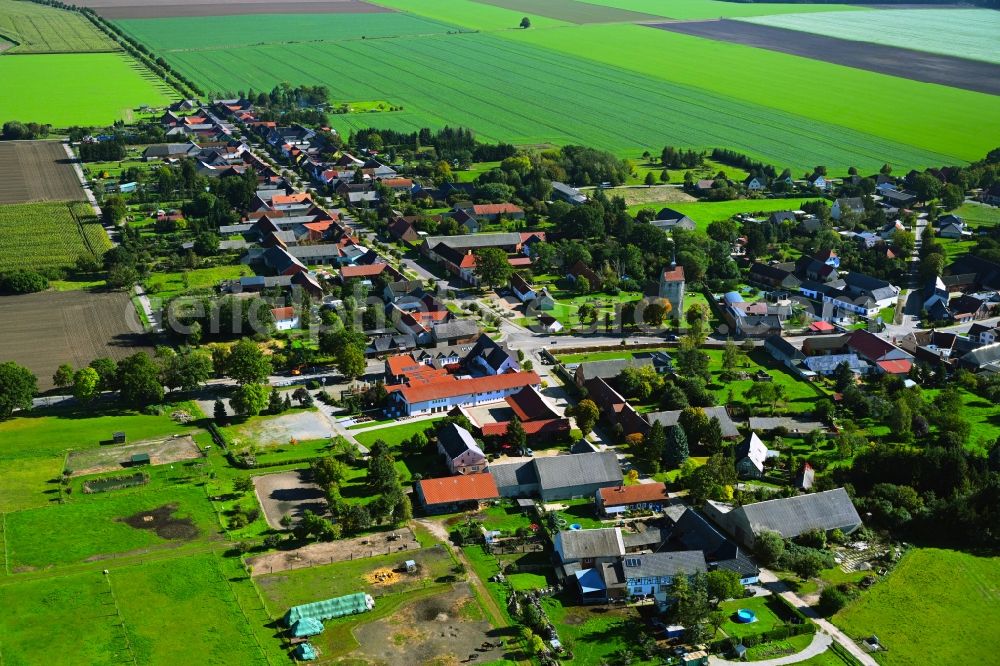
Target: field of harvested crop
79,327
41,29
705,9
119,9
966,33
77,88
572,11
49,235
36,171
539,95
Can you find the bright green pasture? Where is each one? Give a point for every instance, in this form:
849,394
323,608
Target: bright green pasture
221,32
49,235
471,15
168,285
35,445
971,33
979,215
66,620
708,9
184,611
394,435
923,116
76,88
933,604
573,11
42,29
540,95
705,212
91,525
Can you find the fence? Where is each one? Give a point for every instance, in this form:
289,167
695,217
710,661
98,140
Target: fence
115,483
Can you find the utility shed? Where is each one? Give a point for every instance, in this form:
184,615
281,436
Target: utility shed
350,604
139,459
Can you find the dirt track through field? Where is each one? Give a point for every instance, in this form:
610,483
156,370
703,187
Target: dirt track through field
905,63
41,331
129,9
36,171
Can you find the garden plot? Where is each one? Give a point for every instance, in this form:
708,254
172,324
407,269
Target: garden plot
301,426
111,458
288,494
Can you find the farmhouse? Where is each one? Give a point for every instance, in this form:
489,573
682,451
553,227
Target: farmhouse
650,573
539,419
750,457
460,451
285,319
441,394
456,493
789,517
671,418
693,532
613,501
558,477
669,219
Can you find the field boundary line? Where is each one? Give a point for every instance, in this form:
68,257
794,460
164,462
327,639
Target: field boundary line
128,643
6,556
236,598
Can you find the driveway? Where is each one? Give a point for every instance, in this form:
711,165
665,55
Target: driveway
820,643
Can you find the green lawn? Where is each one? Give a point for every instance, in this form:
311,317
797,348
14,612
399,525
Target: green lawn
981,414
705,212
92,525
593,633
505,518
34,446
778,649
609,355
979,215
933,606
764,607
394,436
93,88
168,285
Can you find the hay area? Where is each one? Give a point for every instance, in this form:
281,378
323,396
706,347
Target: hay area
383,577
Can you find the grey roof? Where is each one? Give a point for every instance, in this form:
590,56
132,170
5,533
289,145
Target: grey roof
783,346
856,280
460,328
982,356
825,365
791,423
694,532
670,418
471,241
586,544
611,368
456,440
309,251
852,203
653,536
577,470
754,449
649,565
791,516
509,475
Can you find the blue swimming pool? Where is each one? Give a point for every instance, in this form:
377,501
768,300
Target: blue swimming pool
745,615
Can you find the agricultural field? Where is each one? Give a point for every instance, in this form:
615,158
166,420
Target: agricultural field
707,9
472,15
92,88
572,11
978,215
207,33
36,28
965,33
49,235
543,96
79,327
36,171
934,603
746,75
125,9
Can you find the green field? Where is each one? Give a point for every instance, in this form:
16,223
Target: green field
35,445
48,235
42,29
705,212
222,32
168,285
971,33
979,215
750,76
471,15
936,607
538,95
708,9
394,435
77,88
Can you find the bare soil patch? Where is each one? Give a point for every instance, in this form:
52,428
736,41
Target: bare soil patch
41,331
111,458
653,195
163,521
916,65
430,630
402,542
129,9
288,493
36,171
301,426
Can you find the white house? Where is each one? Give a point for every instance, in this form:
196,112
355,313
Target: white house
460,451
446,393
651,573
285,319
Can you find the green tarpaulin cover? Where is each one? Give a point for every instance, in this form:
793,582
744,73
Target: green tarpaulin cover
307,626
330,608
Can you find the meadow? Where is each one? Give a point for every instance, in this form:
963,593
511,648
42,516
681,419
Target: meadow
933,606
222,32
969,33
538,95
934,120
471,15
705,212
49,235
43,29
168,285
77,88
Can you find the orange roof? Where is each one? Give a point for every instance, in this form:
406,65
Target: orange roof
281,314
676,274
461,488
530,427
519,261
496,209
298,197
367,270
318,226
401,363
450,389
821,326
641,492
900,367
397,182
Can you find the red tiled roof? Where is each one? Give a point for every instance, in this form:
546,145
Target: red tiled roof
367,270
530,427
283,314
397,182
401,364
869,345
900,367
529,405
821,326
299,197
642,492
461,488
450,389
675,274
496,209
